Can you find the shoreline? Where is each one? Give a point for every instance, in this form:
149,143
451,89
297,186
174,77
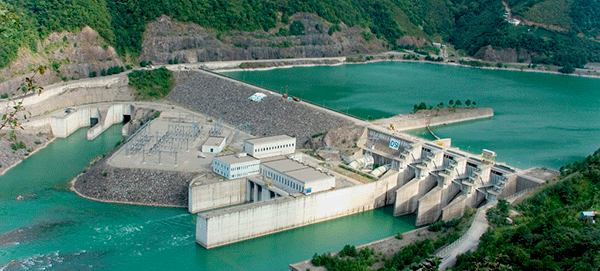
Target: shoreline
344,61
42,146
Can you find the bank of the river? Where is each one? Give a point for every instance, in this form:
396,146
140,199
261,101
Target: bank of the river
389,247
269,64
14,151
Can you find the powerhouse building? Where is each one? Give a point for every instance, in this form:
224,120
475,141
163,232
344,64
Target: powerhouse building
236,166
270,146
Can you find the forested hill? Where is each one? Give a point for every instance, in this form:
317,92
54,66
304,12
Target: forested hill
549,232
558,32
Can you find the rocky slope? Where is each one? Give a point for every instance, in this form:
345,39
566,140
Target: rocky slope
68,56
166,41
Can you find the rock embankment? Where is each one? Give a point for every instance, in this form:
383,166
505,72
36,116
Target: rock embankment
136,186
227,100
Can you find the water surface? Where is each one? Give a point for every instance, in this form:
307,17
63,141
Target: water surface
52,228
540,119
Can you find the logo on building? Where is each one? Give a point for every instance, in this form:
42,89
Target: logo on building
394,144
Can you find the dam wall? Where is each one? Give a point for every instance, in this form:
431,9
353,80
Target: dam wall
238,223
209,196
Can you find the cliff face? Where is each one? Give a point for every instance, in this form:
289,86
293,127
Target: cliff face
488,53
67,56
166,41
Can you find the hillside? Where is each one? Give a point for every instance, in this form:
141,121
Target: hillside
557,32
548,232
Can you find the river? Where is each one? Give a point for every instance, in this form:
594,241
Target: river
544,120
52,228
541,119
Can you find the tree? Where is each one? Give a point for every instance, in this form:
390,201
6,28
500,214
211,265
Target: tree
567,69
297,28
458,103
451,102
14,108
468,103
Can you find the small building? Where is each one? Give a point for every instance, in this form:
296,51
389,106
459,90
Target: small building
293,177
270,146
514,22
236,166
214,144
257,97
587,215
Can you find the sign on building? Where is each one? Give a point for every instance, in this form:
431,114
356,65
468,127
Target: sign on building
394,144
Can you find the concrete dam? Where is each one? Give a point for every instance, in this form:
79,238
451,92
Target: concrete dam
430,179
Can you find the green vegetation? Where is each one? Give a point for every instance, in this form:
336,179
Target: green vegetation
468,24
348,259
549,234
18,145
152,84
451,104
297,28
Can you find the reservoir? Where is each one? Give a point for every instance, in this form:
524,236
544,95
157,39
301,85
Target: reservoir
541,119
544,120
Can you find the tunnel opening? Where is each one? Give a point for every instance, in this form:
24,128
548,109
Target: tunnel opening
93,122
126,118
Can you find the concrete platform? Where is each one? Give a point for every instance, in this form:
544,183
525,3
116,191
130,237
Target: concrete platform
183,154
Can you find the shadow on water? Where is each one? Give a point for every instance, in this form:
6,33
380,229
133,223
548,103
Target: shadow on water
41,230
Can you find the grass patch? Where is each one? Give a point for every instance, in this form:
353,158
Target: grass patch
151,84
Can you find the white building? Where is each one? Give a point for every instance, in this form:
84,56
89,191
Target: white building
236,166
270,146
214,144
293,177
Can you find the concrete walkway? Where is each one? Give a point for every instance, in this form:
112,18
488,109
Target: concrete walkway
467,242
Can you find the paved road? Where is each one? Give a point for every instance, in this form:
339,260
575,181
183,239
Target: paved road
467,242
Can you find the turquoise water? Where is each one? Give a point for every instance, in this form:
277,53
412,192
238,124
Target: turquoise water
540,119
54,229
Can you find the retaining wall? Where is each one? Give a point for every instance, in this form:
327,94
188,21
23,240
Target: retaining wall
235,224
84,91
204,197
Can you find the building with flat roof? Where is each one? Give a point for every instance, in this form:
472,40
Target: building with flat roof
270,146
236,166
292,176
214,144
